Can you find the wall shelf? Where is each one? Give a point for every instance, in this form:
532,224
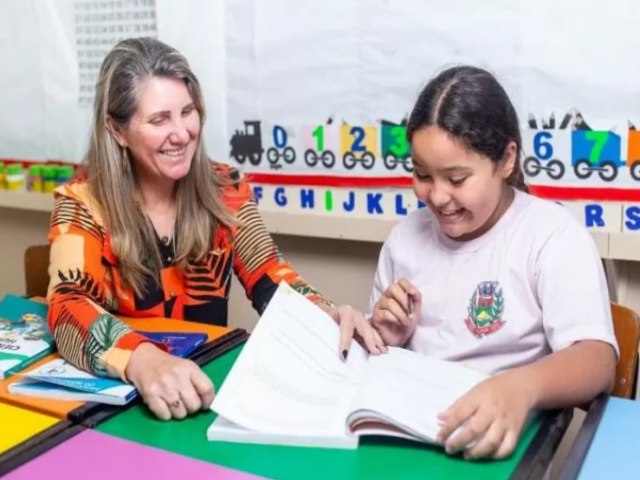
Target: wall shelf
619,246
22,200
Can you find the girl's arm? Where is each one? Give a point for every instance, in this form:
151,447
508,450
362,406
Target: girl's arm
572,376
493,414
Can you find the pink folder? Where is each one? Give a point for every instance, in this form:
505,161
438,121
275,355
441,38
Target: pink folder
99,456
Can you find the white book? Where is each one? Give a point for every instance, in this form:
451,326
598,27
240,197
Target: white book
289,386
60,379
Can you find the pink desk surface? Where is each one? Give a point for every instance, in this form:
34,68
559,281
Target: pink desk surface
99,456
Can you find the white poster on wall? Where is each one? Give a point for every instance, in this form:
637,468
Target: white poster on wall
323,89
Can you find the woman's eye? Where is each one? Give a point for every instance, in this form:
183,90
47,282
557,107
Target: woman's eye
458,181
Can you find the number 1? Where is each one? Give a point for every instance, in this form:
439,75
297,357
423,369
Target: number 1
318,134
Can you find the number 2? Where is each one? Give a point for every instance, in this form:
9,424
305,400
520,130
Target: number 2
358,134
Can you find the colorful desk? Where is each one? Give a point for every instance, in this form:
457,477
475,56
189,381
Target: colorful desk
372,460
99,456
606,444
23,431
25,434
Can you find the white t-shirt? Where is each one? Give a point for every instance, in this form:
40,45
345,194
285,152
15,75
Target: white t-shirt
531,285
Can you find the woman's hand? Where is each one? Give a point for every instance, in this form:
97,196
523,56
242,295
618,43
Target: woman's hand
395,314
486,422
171,387
353,324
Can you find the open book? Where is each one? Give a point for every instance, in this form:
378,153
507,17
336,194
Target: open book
289,386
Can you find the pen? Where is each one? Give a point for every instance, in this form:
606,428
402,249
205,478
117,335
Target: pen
409,305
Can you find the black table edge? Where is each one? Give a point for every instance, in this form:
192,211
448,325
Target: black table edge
536,460
37,445
583,440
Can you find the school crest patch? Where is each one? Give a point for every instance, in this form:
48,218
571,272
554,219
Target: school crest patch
484,313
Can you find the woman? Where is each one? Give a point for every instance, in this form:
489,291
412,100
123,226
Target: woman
154,230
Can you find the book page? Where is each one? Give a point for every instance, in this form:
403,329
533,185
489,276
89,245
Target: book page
409,390
289,379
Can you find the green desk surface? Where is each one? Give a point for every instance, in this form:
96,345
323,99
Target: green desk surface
372,460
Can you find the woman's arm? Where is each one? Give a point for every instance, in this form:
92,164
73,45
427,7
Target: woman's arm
260,267
82,291
257,261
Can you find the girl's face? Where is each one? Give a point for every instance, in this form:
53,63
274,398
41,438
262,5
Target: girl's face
466,191
163,133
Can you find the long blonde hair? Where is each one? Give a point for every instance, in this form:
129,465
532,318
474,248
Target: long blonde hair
111,177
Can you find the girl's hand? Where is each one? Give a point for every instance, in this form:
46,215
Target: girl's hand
486,422
395,314
171,387
353,324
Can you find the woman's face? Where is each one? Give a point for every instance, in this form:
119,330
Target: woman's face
163,133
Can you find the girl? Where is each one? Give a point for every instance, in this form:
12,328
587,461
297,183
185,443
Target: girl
489,275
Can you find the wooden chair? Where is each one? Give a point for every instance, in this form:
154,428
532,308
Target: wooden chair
626,325
36,270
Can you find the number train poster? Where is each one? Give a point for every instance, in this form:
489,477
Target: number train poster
319,95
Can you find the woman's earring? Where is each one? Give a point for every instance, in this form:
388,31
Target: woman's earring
125,159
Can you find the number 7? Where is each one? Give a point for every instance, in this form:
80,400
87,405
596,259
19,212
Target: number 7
600,139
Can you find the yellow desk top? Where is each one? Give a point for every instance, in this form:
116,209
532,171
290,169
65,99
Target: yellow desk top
18,425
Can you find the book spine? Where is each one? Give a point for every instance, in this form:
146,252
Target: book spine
26,362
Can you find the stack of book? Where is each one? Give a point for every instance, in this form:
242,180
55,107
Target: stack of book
25,338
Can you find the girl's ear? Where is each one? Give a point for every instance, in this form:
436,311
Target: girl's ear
508,164
115,132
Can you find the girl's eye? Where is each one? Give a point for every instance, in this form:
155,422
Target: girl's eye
187,111
157,121
457,181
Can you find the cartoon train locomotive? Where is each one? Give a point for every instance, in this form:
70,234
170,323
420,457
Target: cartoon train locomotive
590,150
247,144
